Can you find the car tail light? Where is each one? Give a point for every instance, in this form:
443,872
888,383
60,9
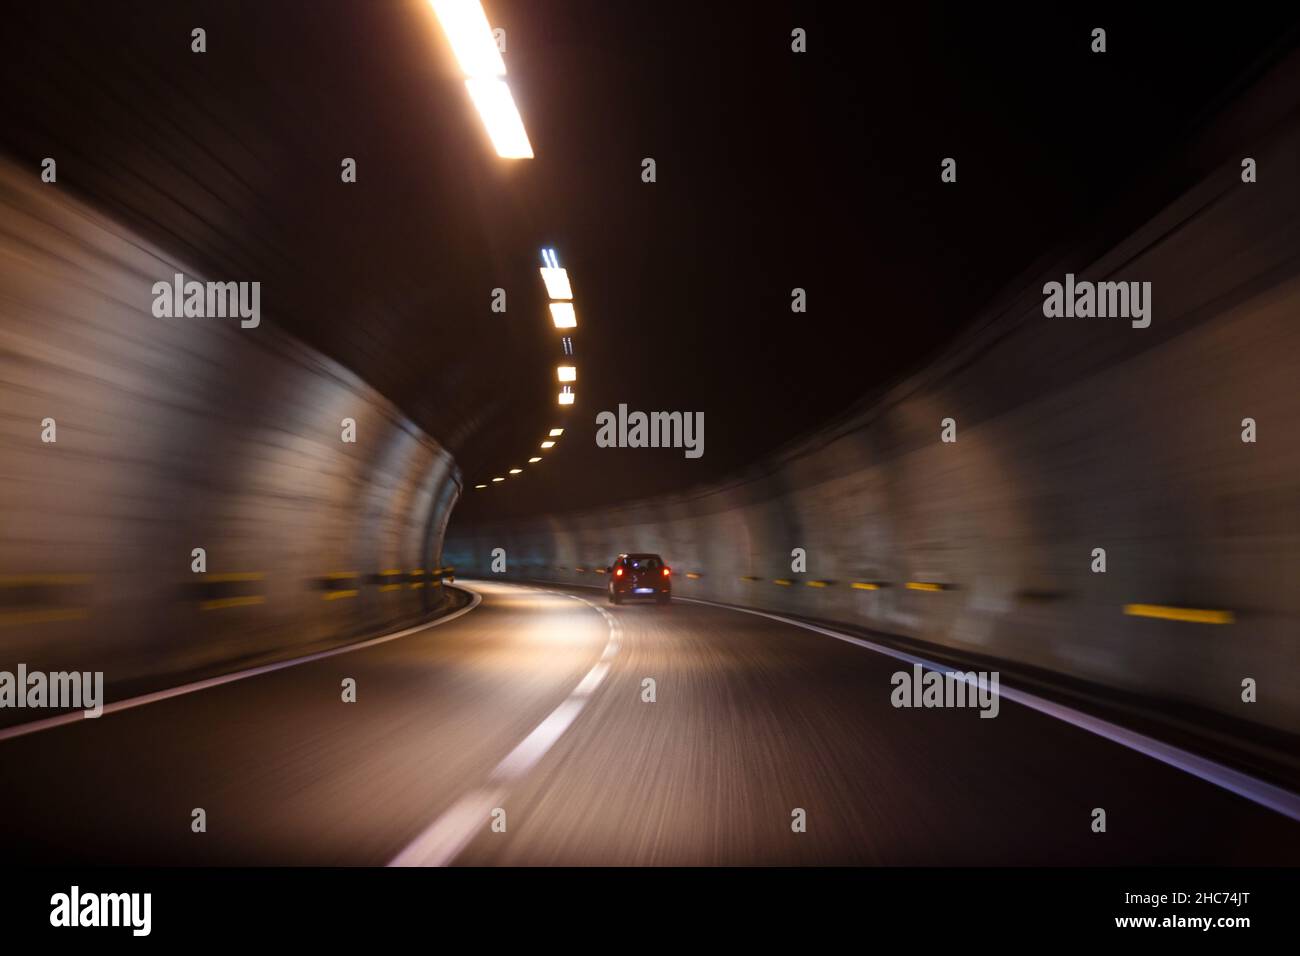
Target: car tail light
618,572
667,571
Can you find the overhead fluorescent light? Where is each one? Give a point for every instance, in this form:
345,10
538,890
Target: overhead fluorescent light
498,479
557,283
548,444
515,471
470,36
566,373
566,398
533,461
563,316
480,486
556,432
492,99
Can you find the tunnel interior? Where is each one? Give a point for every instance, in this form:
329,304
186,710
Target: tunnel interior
882,426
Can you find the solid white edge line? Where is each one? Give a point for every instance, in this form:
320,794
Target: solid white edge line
1243,785
443,840
1260,792
21,730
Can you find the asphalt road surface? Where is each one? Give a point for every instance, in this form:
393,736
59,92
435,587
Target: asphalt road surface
526,712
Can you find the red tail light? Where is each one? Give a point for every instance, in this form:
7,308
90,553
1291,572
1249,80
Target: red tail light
618,572
666,571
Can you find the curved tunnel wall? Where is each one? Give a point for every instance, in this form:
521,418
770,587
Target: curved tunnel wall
1072,434
183,433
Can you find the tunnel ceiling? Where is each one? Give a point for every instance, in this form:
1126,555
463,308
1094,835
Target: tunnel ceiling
774,171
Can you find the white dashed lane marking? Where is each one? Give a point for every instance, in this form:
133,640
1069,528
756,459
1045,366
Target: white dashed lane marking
444,839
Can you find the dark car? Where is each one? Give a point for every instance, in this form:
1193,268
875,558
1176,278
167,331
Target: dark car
640,576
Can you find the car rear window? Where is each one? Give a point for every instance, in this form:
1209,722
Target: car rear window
643,562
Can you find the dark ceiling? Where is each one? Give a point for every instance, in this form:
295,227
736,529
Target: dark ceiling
775,170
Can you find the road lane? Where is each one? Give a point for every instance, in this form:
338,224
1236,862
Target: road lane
287,772
753,719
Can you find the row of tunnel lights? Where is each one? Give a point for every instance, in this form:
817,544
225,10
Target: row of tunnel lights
565,319
472,42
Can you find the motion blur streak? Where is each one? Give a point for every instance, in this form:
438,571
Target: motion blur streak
754,717
186,440
444,840
35,726
1071,435
176,434
1257,791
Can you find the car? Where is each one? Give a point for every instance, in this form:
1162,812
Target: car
640,576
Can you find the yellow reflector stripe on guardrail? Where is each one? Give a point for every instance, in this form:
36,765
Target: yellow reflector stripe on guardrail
1189,614
220,603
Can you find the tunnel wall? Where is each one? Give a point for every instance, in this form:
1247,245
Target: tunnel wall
1072,434
181,433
